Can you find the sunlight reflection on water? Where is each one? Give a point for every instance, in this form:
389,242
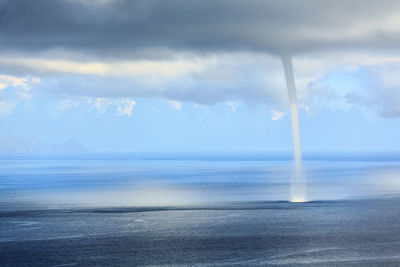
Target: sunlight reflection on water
126,180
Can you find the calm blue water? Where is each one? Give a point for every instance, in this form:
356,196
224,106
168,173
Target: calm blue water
178,179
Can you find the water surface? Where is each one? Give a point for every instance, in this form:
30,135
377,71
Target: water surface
202,210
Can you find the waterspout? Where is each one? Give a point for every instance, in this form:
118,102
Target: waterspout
298,179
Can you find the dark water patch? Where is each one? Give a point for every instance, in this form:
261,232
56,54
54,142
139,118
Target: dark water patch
222,206
320,233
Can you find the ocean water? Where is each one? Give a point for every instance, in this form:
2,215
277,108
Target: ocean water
182,179
203,210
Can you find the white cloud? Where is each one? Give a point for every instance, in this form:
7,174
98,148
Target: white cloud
175,104
9,80
307,110
21,90
380,91
233,105
101,104
251,78
45,66
276,115
125,107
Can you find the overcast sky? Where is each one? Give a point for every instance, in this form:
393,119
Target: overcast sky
200,75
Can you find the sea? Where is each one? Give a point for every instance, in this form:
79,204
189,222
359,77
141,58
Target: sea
204,209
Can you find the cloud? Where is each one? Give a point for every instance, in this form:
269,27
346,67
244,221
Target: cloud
233,105
276,115
45,66
382,93
120,28
368,80
219,78
121,106
176,104
13,90
250,78
8,80
101,104
125,107
202,52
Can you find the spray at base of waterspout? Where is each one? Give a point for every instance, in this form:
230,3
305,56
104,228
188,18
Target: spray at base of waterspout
298,185
298,200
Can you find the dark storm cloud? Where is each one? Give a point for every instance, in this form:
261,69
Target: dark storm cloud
78,48
121,27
